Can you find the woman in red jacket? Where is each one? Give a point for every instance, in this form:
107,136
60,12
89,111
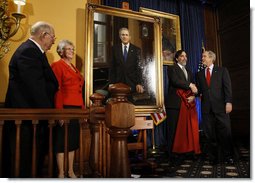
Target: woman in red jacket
69,95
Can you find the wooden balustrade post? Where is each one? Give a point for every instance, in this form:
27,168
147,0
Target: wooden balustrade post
95,130
66,124
34,123
51,123
81,163
17,149
104,148
120,117
1,147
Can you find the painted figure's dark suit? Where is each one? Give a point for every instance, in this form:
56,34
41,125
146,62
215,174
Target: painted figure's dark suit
129,71
32,84
215,121
177,80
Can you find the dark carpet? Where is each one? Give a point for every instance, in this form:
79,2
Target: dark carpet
158,165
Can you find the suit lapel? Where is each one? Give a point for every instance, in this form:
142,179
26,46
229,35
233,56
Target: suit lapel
120,53
72,72
131,52
214,73
202,73
180,71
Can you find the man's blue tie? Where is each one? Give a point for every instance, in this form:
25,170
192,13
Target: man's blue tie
125,53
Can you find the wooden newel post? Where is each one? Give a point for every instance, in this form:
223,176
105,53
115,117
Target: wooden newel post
95,130
120,117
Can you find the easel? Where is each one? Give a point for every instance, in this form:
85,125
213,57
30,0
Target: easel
141,124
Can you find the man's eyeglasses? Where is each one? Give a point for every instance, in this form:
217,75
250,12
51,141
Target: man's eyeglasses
52,37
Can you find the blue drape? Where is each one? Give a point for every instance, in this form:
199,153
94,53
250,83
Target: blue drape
191,22
169,6
192,35
192,31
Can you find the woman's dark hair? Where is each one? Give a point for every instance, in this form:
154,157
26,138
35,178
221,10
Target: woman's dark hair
177,54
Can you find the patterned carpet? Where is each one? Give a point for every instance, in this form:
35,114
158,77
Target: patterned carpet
158,165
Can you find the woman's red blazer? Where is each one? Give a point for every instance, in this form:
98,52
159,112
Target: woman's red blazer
70,85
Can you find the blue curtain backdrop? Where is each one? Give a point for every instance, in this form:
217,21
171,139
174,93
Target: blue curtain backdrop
192,35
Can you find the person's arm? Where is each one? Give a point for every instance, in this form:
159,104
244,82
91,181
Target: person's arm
227,88
192,85
31,72
58,100
198,94
175,80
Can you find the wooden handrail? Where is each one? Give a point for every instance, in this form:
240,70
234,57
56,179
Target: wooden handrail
108,132
42,114
18,115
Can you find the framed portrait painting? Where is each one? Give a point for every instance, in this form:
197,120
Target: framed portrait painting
170,34
102,34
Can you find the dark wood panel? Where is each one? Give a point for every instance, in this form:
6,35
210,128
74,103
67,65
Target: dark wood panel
240,121
230,11
235,48
235,44
233,33
210,29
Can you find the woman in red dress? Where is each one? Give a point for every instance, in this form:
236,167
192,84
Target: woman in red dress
69,95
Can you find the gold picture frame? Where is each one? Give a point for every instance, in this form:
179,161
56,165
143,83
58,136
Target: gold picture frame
171,37
101,33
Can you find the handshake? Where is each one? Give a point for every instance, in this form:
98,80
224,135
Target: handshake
193,88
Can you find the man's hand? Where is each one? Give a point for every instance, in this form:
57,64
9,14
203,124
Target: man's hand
228,108
191,99
139,89
193,88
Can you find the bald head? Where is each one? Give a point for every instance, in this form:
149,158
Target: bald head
43,33
40,27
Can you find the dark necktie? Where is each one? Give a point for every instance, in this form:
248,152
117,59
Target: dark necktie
185,72
125,53
208,76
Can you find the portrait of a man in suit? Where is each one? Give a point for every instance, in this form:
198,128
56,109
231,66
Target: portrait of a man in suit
125,64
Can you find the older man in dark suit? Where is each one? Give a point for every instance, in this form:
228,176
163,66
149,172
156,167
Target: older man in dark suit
32,84
214,86
125,66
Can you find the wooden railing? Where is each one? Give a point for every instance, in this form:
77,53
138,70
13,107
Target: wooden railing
51,115
109,127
